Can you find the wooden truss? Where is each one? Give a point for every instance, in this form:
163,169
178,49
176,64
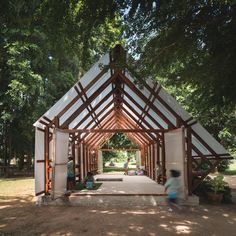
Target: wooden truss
124,108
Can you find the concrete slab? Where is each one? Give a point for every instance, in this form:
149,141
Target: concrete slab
131,185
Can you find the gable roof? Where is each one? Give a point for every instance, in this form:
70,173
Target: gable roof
106,98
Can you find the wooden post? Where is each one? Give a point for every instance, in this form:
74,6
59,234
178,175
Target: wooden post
163,159
46,158
189,161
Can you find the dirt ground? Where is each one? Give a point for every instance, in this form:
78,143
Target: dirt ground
19,215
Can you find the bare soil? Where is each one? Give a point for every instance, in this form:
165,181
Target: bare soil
19,215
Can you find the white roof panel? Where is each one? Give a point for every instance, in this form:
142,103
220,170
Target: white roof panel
209,139
59,106
94,71
174,104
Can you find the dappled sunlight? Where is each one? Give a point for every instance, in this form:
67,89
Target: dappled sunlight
225,215
136,228
5,206
3,225
182,229
205,217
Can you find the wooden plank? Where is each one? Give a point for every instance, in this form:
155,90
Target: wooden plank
147,114
140,94
189,160
46,158
90,99
67,107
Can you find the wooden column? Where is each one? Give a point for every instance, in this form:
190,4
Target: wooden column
163,159
46,158
189,161
154,161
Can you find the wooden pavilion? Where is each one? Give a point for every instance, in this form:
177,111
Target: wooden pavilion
107,100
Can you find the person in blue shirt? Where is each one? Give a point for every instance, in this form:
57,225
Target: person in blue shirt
70,173
173,186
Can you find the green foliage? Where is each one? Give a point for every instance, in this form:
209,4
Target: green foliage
217,184
45,46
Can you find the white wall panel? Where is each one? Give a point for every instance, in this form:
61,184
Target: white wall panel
39,169
60,159
175,156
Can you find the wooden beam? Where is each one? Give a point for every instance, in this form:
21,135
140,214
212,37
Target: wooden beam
147,114
90,99
140,94
113,130
189,160
65,109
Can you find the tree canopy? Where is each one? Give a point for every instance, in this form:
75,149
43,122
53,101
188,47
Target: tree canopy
46,45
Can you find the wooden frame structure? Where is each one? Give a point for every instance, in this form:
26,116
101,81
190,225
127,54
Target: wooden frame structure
107,100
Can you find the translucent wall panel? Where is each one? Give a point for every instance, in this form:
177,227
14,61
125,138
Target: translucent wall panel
150,122
78,118
94,71
60,158
39,169
144,91
209,139
135,97
103,105
158,119
165,112
71,110
101,96
175,155
174,104
98,84
60,105
132,105
130,112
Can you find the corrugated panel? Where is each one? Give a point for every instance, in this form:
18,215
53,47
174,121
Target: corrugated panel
127,109
165,112
151,123
101,96
104,104
144,91
134,96
78,118
209,139
98,83
70,111
158,119
94,71
133,105
200,146
174,104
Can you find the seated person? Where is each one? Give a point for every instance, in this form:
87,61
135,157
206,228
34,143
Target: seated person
139,171
89,181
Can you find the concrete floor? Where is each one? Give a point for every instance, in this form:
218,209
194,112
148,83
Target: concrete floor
131,185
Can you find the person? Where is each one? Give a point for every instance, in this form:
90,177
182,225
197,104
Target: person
89,182
159,172
126,166
172,187
138,171
70,173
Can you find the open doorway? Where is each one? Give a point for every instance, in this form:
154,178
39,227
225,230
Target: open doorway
115,153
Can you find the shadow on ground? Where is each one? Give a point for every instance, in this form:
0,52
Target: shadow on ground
21,216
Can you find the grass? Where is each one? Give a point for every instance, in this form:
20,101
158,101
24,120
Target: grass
80,186
231,170
14,186
114,169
